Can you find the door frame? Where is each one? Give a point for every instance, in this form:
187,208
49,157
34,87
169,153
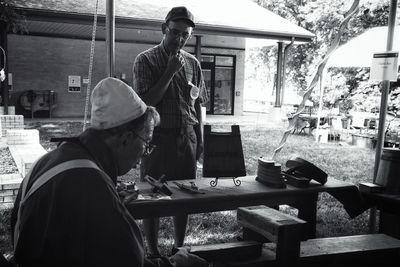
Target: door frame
210,66
206,65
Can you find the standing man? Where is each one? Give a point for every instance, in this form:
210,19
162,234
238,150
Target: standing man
68,212
171,79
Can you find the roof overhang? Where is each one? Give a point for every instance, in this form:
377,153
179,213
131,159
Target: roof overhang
79,25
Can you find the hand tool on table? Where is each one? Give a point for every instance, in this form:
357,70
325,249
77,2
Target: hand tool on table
159,185
192,188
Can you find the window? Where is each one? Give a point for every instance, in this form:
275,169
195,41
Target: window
224,61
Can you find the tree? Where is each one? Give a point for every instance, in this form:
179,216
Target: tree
321,17
11,20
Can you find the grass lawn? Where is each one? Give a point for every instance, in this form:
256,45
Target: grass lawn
339,160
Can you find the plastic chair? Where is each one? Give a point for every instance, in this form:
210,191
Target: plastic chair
358,123
336,128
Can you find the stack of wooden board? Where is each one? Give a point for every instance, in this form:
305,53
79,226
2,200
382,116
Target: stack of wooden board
269,173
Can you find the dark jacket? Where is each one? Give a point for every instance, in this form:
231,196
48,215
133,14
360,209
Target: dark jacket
77,218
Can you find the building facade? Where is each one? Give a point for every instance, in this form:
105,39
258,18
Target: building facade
49,64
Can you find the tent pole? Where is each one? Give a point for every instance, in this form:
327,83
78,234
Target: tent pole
321,103
110,37
382,111
279,76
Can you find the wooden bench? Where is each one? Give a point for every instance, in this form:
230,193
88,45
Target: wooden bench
388,206
287,249
283,230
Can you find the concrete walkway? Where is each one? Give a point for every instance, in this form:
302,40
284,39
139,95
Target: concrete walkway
248,118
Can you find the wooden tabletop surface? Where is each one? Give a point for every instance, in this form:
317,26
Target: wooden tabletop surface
225,196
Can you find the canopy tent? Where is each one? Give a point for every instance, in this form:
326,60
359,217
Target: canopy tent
358,51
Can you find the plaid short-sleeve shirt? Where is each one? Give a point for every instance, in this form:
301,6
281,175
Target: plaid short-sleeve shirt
177,106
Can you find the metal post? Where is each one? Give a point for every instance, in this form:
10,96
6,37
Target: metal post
285,55
198,47
50,96
279,76
110,37
4,85
321,103
382,114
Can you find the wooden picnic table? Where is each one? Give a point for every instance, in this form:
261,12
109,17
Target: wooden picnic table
227,196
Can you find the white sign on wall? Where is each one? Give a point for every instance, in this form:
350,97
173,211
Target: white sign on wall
384,66
10,81
74,83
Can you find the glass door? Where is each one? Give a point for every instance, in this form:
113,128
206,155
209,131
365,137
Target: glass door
218,73
223,92
209,77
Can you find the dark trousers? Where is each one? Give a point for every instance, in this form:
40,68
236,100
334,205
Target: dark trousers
174,155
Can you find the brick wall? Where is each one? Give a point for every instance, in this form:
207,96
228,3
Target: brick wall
11,122
8,192
22,137
44,63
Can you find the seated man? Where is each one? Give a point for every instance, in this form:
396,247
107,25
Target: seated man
68,212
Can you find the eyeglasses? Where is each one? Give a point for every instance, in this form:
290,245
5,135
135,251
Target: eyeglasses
176,33
149,147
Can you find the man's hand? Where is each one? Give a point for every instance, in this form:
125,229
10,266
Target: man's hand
156,93
175,63
183,258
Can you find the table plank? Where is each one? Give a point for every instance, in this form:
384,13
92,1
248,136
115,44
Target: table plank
227,196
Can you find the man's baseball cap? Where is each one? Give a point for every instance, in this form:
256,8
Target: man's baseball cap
114,103
180,12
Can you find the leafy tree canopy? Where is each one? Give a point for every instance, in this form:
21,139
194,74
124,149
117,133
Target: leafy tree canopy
323,17
10,18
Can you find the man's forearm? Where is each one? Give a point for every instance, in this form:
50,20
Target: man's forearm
154,95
